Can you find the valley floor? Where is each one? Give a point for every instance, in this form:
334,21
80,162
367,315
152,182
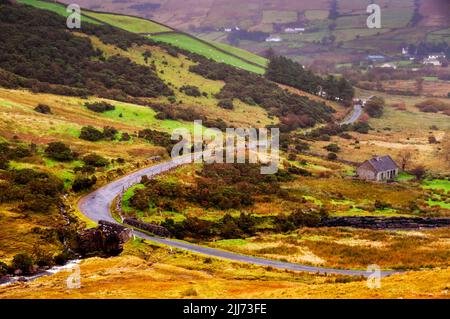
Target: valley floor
166,274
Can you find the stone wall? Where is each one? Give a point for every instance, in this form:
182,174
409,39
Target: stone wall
385,222
151,228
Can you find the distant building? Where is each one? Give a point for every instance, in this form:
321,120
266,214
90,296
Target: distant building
437,55
388,66
274,39
379,168
227,30
294,30
376,58
432,61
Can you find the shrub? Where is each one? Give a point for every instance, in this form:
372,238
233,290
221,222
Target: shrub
83,183
23,262
226,104
191,90
44,109
59,151
109,132
95,160
100,107
419,172
334,148
361,127
332,156
125,137
90,133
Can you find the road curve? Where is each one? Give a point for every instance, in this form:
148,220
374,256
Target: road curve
97,206
357,111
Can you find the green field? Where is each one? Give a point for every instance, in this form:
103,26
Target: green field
242,53
55,7
131,24
199,47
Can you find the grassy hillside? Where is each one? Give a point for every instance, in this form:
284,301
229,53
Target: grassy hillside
220,53
131,24
55,7
191,44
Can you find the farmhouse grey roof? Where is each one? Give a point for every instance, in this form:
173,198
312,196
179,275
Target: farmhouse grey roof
382,163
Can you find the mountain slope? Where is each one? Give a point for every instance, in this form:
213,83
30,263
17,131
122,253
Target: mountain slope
164,34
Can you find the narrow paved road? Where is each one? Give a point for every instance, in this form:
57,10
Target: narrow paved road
96,206
357,111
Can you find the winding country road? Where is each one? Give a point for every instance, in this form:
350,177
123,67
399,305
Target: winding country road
357,111
97,206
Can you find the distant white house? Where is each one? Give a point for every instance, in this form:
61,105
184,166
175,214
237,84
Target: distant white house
388,66
405,51
231,29
432,61
294,30
274,39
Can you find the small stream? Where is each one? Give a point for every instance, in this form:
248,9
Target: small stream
7,280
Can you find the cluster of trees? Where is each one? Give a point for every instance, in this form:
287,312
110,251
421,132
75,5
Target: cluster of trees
59,151
324,133
61,58
189,114
293,110
244,225
157,138
434,106
424,48
191,90
221,186
90,133
13,152
237,35
100,107
286,71
37,191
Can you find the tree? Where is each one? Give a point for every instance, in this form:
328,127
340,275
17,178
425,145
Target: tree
375,106
405,157
59,151
95,160
90,133
419,172
44,109
333,148
332,156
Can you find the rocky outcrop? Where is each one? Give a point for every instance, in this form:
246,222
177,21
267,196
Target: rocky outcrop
370,222
151,228
105,241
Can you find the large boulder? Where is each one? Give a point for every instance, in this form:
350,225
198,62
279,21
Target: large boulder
105,241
